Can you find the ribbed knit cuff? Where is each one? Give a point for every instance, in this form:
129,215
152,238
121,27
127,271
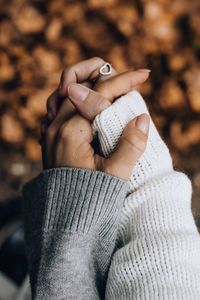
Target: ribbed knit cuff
75,200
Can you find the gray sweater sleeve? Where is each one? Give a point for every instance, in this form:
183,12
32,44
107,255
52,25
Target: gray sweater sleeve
71,218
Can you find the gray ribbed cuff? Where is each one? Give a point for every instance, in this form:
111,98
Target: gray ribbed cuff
75,200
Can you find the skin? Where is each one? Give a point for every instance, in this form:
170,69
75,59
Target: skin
67,133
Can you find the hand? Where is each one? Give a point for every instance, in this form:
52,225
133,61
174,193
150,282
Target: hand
72,142
73,147
85,72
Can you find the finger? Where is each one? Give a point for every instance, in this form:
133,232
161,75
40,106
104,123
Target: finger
90,103
131,146
122,83
53,104
110,87
55,100
73,144
82,71
99,78
65,111
90,108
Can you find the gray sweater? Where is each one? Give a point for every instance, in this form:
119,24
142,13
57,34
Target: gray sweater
71,218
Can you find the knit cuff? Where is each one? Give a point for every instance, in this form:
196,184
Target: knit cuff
109,125
75,200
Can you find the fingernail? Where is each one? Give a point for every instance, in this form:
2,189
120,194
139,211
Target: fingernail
145,70
142,123
77,92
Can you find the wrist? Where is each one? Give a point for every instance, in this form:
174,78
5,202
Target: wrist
74,200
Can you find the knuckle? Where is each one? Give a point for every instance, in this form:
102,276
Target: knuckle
137,141
65,131
103,104
64,73
68,70
98,60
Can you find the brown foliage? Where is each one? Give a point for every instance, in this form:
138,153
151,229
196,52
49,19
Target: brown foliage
39,38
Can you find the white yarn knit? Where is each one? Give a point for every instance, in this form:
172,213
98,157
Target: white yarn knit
158,255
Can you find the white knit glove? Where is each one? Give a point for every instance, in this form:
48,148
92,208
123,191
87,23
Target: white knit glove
109,124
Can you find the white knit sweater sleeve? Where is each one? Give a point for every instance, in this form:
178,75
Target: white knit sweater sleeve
158,246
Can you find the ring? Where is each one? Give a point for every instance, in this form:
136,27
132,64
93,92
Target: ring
106,69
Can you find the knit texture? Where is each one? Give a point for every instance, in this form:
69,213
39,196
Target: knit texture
156,160
71,218
158,255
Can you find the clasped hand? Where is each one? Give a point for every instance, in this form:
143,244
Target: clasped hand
66,133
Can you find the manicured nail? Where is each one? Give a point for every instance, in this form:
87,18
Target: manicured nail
142,123
145,70
77,92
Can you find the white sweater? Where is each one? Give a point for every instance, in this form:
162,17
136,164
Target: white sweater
158,253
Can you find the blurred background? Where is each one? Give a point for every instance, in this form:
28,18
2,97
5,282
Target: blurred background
39,38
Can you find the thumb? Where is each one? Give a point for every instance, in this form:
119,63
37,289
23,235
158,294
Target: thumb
88,102
131,146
